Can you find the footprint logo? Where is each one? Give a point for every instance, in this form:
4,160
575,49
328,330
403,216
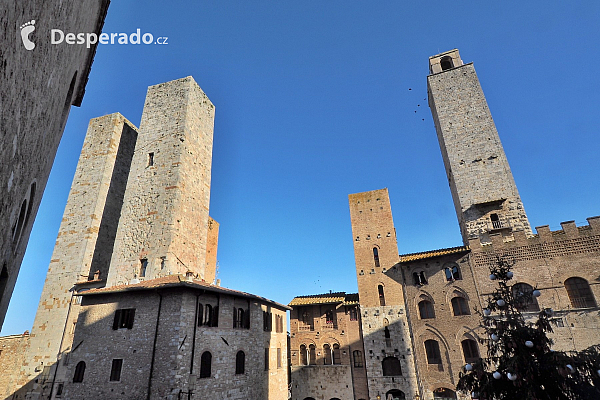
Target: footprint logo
26,30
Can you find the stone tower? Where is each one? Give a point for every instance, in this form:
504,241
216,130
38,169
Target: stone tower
85,237
383,315
163,228
484,191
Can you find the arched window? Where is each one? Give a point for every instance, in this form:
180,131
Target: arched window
303,355
580,294
395,394
432,350
205,362
376,256
358,358
470,350
524,300
391,366
419,278
312,354
460,306
446,63
309,398
18,225
381,295
329,317
444,394
326,354
79,372
336,354
426,309
240,362
452,273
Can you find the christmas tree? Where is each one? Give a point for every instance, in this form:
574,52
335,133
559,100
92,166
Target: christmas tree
520,362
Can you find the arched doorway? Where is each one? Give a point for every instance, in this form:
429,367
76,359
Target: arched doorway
395,394
444,394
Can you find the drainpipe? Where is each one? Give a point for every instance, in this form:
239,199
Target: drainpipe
154,346
60,348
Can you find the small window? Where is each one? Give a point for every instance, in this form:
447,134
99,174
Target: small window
391,366
150,159
239,319
326,354
200,314
205,364
3,279
580,294
278,357
312,354
523,296
79,372
59,389
419,278
470,350
329,317
306,317
432,350
452,273
303,355
426,309
211,315
376,256
115,370
381,295
18,225
267,321
358,358
240,362
124,318
353,314
143,267
386,332
336,354
460,306
266,358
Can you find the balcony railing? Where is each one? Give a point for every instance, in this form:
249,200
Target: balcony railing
306,328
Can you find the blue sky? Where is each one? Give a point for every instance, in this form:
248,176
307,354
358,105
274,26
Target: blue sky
313,103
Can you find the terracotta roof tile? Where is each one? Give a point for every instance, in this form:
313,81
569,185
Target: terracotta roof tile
325,298
432,253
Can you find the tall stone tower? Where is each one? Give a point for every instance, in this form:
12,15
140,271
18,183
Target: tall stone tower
163,227
484,191
137,209
383,315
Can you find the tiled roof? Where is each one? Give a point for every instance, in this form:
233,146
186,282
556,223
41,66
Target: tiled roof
432,253
325,298
172,281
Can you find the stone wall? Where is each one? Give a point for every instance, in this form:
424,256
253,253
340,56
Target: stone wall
37,88
12,355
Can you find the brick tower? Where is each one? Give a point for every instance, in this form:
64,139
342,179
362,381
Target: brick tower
484,191
388,350
163,227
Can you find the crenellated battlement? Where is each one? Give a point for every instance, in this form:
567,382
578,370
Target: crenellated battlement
571,239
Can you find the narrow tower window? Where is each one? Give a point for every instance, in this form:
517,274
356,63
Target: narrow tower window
143,267
79,372
150,159
240,361
376,256
381,295
115,371
205,365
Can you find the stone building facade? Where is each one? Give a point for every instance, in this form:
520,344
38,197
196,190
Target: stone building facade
423,309
137,219
327,351
38,85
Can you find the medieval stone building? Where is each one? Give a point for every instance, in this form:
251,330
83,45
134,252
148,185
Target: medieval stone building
38,84
130,307
418,312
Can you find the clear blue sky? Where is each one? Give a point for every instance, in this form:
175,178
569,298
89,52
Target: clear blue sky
313,103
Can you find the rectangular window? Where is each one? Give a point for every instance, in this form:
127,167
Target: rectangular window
278,357
266,359
143,267
115,371
59,389
124,318
150,159
267,321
